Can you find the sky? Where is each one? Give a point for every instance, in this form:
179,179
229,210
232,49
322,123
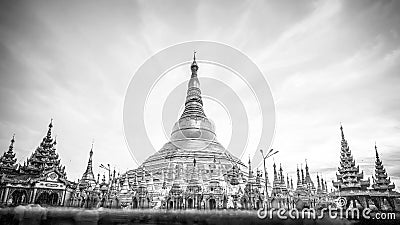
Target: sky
327,62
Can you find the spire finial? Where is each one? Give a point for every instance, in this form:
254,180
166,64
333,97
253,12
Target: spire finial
49,131
341,130
12,143
194,66
376,151
91,149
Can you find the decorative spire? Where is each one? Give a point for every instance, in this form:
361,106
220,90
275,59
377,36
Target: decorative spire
194,66
88,176
323,184
12,143
376,152
291,182
298,176
302,175
89,168
194,102
341,130
8,160
194,162
250,171
49,130
382,181
287,180
326,186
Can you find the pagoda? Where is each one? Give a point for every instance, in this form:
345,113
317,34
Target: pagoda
8,160
350,183
192,136
301,194
88,176
193,190
382,194
280,192
45,156
381,181
308,181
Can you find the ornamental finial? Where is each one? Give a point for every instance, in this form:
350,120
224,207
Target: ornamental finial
376,151
194,66
341,130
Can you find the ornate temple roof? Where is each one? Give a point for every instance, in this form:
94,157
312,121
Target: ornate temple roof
44,157
193,135
349,177
381,180
8,160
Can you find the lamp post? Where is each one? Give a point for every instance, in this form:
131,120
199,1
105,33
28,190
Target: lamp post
270,153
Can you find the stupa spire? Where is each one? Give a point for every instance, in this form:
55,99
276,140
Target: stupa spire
298,176
250,170
89,168
275,173
194,67
88,176
194,102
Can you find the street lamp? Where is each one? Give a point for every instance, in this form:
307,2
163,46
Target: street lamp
108,169
270,153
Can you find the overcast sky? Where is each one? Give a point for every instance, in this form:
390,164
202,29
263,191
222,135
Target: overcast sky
326,62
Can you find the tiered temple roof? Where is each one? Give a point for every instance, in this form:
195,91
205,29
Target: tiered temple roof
381,180
349,176
45,156
8,160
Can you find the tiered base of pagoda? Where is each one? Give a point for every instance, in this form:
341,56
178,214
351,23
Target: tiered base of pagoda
183,152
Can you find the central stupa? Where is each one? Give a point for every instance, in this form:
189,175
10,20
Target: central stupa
193,137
